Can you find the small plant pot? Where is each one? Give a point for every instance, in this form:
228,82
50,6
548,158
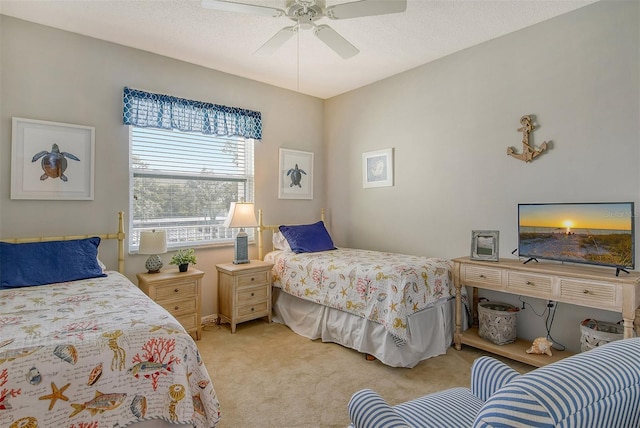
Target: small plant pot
183,267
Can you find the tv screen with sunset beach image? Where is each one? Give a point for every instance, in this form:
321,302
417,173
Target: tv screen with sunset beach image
593,233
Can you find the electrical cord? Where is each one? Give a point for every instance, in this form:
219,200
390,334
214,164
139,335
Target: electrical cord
550,312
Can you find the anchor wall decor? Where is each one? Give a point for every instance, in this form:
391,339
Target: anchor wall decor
528,152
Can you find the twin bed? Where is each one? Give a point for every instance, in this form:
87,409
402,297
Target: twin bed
397,308
93,351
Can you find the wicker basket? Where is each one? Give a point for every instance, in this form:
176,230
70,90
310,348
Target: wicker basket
497,322
596,333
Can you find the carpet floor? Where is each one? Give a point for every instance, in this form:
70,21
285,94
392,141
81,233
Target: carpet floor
269,377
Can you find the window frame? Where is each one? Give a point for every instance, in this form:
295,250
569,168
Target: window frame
229,234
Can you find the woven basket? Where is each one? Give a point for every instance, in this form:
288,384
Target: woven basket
497,322
596,333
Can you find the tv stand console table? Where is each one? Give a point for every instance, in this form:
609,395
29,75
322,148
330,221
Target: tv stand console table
593,287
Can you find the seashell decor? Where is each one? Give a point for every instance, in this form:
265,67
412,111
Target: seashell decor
540,345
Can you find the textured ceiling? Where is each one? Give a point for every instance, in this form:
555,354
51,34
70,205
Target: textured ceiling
225,41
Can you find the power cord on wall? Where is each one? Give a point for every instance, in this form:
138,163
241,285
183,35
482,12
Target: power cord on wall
550,313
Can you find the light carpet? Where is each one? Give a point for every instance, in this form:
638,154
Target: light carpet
269,377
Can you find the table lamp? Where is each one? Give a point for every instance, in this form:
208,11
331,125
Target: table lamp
153,242
241,214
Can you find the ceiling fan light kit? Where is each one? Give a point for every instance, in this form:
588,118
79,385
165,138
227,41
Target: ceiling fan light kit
305,13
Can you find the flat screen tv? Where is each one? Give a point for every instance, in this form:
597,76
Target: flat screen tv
592,233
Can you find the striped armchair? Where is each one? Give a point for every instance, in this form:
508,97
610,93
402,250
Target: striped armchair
597,388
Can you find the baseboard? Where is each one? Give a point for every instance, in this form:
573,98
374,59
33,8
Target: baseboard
209,319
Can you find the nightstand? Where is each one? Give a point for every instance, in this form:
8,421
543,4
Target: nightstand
244,292
177,292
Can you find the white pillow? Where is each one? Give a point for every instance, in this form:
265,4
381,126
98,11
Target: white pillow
280,242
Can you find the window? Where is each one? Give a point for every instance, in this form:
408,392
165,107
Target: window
184,182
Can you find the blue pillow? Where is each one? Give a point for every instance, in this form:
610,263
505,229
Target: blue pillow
39,263
308,238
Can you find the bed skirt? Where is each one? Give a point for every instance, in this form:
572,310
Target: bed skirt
430,331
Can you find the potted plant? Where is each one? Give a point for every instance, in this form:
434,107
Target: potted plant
183,257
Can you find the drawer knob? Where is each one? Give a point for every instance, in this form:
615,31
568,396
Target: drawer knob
530,283
252,309
176,308
253,294
252,279
176,290
586,292
482,275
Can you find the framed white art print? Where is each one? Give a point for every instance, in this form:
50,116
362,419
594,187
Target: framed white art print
377,168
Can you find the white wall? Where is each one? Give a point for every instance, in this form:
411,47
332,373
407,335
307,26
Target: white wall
54,75
451,121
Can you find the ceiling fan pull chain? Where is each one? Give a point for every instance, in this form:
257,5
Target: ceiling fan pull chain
298,61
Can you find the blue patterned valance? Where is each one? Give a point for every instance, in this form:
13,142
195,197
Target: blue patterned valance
149,110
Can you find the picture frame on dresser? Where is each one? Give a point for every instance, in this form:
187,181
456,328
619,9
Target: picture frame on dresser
484,245
51,160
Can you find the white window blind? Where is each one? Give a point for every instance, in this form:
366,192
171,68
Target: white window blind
184,182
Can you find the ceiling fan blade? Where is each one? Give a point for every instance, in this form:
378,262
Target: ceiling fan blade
229,6
274,43
360,8
335,41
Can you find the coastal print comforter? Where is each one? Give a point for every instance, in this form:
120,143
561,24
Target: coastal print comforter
382,287
97,353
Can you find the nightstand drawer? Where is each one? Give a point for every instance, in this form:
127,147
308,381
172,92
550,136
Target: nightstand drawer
177,291
252,279
247,295
179,306
188,321
244,292
257,309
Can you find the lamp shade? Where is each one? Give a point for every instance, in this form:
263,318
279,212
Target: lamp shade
241,214
153,242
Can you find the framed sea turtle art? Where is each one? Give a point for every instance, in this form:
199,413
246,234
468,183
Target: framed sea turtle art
51,160
295,180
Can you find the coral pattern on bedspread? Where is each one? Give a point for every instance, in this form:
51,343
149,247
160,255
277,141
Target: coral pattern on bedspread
97,353
383,287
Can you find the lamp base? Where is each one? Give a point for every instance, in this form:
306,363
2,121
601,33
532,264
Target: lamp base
153,264
241,248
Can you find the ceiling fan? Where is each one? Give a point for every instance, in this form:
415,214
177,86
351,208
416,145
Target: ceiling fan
305,13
